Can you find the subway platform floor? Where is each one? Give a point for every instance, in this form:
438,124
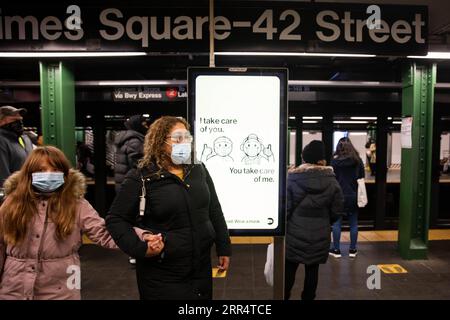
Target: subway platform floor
106,274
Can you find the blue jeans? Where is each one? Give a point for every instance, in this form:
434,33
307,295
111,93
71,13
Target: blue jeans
353,220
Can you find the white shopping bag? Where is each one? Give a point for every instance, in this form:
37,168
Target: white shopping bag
362,193
268,268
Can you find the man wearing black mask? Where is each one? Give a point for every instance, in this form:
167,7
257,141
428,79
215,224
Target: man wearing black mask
14,146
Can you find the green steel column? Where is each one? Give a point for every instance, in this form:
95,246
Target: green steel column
58,107
415,188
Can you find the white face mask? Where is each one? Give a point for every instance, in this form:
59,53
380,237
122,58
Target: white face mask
181,153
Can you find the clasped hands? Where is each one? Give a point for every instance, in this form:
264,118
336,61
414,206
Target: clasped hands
155,244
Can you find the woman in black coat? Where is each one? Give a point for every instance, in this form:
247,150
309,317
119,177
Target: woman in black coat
314,201
181,204
348,167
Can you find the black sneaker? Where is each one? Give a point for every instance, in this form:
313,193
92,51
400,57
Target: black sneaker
335,253
352,253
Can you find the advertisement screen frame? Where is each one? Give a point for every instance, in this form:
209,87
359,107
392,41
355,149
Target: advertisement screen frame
282,74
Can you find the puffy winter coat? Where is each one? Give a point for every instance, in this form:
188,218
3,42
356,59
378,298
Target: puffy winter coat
129,150
314,202
44,267
189,216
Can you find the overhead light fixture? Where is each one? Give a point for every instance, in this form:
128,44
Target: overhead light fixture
349,122
68,54
137,83
363,118
292,118
310,121
294,54
358,134
389,118
396,122
433,55
312,118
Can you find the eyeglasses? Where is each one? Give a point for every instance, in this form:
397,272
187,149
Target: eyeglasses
181,137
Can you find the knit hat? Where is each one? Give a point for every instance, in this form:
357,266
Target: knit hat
314,152
135,123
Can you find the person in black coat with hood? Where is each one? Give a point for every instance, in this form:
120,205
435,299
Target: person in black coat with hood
348,168
314,202
129,146
170,196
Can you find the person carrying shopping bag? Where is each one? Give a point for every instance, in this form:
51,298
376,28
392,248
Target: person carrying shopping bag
348,168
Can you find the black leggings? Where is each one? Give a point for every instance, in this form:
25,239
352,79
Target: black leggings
310,284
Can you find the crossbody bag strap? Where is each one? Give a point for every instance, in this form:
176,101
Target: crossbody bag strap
142,197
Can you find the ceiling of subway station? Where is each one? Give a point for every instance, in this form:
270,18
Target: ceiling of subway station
300,68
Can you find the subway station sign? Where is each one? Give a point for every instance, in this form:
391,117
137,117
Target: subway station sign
239,26
143,94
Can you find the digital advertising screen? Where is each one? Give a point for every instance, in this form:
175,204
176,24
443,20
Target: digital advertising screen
239,120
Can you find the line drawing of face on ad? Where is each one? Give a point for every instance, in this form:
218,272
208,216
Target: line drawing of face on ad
223,146
251,146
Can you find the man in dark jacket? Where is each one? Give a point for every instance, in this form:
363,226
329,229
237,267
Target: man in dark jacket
314,202
14,145
129,145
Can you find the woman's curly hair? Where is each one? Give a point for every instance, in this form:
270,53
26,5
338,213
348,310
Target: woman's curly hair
154,148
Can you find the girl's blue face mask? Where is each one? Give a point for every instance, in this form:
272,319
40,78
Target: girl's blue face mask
47,181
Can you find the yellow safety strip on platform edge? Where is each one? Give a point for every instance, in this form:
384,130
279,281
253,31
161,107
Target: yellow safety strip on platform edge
391,268
217,274
363,236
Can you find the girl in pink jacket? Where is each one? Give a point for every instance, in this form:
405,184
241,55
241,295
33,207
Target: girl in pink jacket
41,225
